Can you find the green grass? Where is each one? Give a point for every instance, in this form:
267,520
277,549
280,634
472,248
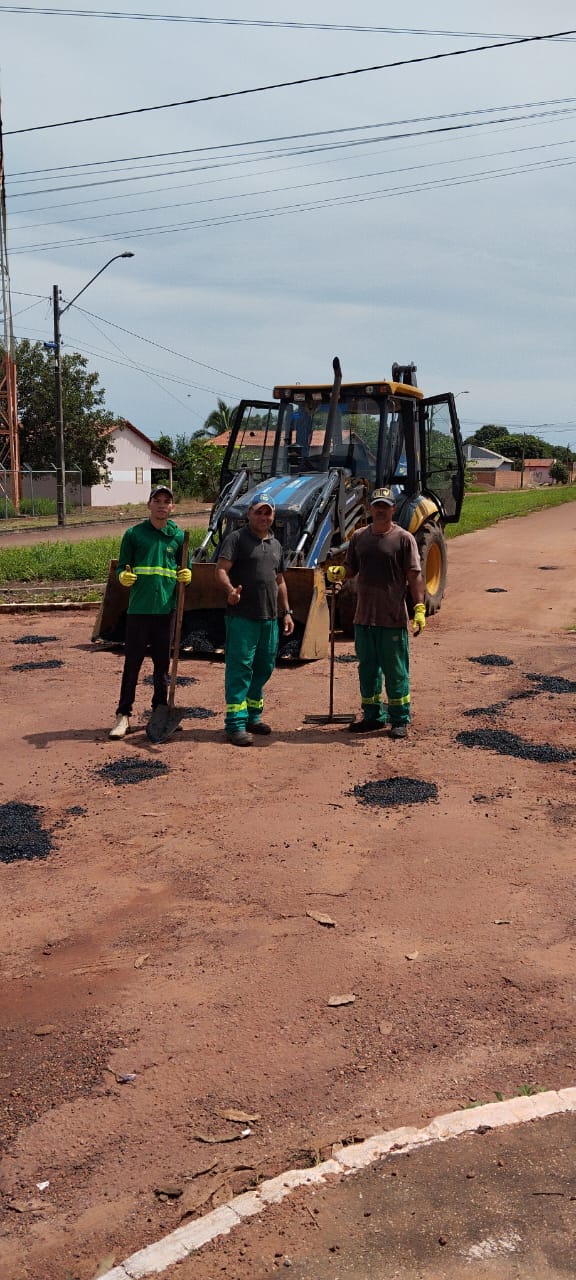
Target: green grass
88,561
483,509
65,561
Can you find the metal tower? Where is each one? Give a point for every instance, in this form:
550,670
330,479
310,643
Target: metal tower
10,481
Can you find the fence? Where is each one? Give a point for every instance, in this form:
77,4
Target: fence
35,487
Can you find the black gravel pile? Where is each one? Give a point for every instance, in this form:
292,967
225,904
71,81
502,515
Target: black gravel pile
346,657
510,744
181,681
22,837
132,769
38,666
492,660
199,641
196,713
552,684
395,791
492,709
36,640
496,591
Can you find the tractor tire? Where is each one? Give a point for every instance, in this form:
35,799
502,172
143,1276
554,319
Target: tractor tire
346,607
432,548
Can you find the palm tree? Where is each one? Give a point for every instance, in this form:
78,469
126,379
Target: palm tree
221,419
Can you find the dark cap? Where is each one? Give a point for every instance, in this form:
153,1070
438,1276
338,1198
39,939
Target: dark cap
161,488
383,495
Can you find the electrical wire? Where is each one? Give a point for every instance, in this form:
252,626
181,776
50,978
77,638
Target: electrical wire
291,137
310,207
289,84
252,22
551,117
300,186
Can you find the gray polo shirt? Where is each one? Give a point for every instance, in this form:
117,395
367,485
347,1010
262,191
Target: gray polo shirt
256,562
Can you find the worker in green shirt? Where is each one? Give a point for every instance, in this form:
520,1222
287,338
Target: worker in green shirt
148,565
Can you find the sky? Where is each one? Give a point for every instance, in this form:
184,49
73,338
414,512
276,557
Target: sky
422,212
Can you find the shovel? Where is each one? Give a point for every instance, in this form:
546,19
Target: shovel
331,718
164,721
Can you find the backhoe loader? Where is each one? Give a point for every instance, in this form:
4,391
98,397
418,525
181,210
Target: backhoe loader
320,450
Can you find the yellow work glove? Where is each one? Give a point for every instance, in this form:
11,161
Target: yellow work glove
419,618
336,573
184,576
127,578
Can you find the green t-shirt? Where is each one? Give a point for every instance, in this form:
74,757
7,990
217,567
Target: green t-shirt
154,556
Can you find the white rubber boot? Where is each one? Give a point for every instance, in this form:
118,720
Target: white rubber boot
121,728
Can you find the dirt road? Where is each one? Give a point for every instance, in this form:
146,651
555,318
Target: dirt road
161,965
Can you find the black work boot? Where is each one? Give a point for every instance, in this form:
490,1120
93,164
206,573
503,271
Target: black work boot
240,738
258,726
399,731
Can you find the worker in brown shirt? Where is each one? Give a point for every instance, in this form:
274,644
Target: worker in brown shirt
385,559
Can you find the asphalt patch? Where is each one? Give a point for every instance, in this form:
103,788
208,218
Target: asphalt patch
196,713
181,681
76,811
346,657
22,836
36,640
395,791
492,709
48,665
511,744
552,684
496,591
132,769
199,641
492,660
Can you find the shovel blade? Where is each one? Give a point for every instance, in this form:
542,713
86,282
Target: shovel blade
162,724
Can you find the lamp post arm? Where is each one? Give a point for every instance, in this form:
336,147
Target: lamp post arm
93,278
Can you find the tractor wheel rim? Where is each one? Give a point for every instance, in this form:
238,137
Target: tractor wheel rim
433,570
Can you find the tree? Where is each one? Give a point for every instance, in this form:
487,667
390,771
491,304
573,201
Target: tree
487,435
195,466
219,420
87,425
559,472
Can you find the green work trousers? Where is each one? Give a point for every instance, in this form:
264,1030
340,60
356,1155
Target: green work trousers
251,648
384,652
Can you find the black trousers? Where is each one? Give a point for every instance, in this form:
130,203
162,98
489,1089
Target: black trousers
143,630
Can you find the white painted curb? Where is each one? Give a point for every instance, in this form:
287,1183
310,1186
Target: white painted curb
186,1240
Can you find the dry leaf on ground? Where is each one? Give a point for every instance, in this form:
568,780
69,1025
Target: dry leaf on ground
321,918
240,1117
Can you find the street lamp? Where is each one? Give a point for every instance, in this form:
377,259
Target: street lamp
58,313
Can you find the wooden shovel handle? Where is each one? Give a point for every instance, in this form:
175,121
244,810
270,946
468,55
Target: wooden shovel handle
178,628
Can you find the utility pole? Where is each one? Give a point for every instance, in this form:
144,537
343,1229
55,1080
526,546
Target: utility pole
9,434
60,456
58,403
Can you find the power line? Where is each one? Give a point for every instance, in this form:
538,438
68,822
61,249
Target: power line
180,355
299,186
346,144
293,137
289,84
252,22
311,207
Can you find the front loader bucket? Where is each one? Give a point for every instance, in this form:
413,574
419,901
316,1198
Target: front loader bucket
307,598
203,625
110,623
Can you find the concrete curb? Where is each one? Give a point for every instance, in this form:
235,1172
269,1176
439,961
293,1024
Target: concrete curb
53,606
184,1241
